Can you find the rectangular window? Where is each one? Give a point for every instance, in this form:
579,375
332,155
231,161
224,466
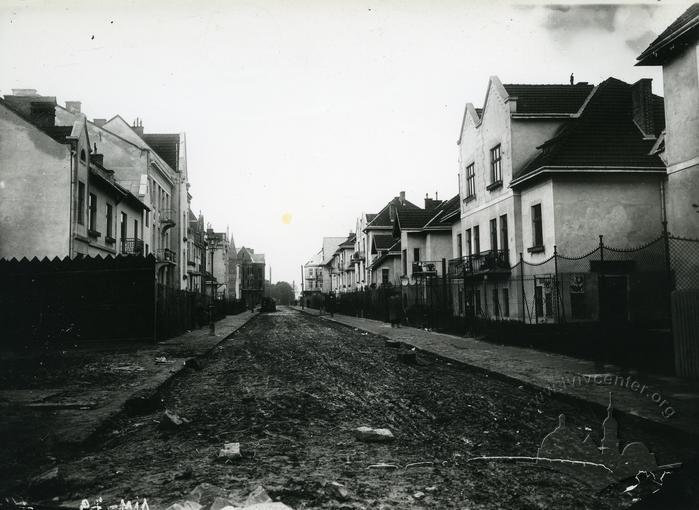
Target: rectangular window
469,246
476,240
496,303
135,229
495,165
505,302
504,240
109,214
384,275
147,215
537,230
460,248
123,226
81,203
494,234
471,180
405,262
92,212
416,254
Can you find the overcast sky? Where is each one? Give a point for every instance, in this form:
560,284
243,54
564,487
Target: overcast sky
301,115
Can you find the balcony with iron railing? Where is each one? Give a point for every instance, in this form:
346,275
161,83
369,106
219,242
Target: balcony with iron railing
425,268
132,246
167,218
491,261
166,255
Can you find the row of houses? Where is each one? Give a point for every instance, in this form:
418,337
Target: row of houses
74,187
544,171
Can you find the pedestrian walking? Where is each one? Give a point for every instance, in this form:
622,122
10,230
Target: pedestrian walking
395,310
330,304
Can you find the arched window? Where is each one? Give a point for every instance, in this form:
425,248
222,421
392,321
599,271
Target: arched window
82,155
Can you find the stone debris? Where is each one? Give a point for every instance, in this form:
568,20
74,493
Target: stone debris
185,505
371,435
258,495
337,491
162,360
230,451
170,420
383,465
419,464
431,488
419,495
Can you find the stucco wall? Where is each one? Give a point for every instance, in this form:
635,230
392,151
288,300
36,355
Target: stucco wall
482,217
34,191
542,193
681,89
625,210
439,246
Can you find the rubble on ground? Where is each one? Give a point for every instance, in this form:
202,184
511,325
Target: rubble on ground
371,435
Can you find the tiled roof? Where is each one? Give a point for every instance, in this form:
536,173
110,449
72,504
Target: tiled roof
416,218
549,98
604,135
370,217
447,214
393,251
383,219
686,26
384,241
349,242
165,145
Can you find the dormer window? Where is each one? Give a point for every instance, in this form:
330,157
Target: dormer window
82,155
470,181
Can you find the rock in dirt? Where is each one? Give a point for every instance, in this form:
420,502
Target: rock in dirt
185,505
221,503
370,435
206,493
144,402
419,495
259,495
337,491
230,451
170,420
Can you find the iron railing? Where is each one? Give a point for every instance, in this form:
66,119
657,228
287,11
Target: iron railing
166,255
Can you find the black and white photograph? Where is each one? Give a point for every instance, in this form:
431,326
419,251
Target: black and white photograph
349,254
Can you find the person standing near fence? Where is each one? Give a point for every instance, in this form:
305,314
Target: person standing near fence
330,304
395,310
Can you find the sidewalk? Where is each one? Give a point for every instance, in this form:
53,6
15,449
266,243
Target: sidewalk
555,373
58,400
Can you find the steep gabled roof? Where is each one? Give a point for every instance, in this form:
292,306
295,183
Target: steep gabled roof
393,251
349,242
447,214
383,241
532,98
603,137
681,33
414,218
166,146
383,218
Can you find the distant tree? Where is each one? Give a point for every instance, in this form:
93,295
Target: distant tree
283,293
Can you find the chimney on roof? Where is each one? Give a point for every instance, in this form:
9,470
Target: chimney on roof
402,197
73,106
430,203
138,126
572,79
43,113
99,122
24,92
642,104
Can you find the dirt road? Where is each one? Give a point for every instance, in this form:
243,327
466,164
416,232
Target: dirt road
290,388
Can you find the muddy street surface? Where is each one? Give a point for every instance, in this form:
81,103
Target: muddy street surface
290,389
